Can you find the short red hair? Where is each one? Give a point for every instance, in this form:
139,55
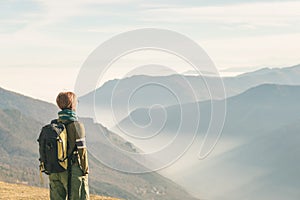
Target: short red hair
66,100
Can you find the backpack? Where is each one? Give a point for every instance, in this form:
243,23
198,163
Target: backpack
53,148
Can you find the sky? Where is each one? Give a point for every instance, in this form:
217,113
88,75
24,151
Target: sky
43,44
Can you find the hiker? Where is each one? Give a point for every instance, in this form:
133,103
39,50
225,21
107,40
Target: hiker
72,180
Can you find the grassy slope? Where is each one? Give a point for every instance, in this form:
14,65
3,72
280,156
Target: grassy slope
10,191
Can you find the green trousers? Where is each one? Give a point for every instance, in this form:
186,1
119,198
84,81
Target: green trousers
59,185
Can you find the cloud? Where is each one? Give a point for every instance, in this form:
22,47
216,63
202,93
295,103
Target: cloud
254,14
57,11
50,33
40,14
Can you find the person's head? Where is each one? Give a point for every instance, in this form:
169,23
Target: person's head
67,100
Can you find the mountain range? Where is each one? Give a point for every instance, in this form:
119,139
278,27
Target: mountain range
256,156
21,121
115,99
252,130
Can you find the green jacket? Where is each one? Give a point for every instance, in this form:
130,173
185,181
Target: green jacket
76,142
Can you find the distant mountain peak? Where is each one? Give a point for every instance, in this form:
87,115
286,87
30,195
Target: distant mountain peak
266,70
269,93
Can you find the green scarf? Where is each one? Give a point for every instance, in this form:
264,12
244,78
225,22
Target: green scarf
67,115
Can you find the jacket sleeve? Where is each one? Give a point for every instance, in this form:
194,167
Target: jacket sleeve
80,144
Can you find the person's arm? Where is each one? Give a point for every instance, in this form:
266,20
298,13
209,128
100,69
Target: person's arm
81,146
